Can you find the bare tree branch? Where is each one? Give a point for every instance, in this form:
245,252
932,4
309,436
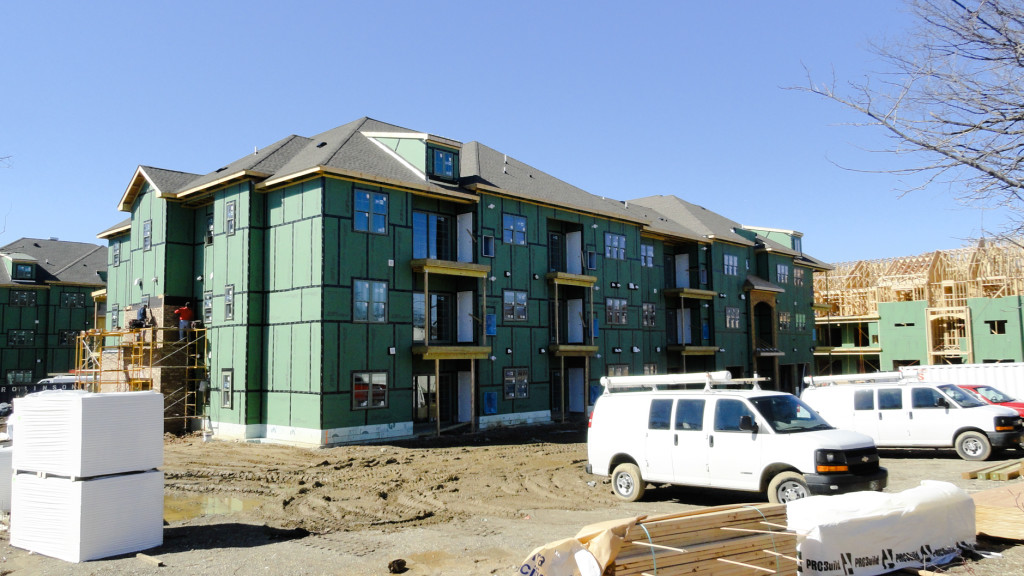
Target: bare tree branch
952,94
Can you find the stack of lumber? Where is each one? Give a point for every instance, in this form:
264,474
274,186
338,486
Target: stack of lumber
1000,471
724,541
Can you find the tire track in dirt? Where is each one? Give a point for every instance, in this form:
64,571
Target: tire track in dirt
391,486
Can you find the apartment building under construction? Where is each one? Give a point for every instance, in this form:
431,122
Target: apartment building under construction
942,307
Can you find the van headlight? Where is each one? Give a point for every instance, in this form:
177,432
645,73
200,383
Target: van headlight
1007,423
826,461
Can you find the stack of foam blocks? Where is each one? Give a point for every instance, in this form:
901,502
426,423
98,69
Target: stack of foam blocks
85,483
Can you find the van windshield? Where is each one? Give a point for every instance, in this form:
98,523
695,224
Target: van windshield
787,414
959,396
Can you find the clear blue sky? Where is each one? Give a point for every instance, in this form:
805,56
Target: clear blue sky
621,99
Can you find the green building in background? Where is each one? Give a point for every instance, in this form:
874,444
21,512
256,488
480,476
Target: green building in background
47,298
376,282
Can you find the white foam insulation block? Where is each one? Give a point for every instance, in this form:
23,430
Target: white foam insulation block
80,434
90,519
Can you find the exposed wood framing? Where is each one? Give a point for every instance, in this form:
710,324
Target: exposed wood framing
944,279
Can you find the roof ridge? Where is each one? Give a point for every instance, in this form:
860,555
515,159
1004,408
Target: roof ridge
77,260
355,130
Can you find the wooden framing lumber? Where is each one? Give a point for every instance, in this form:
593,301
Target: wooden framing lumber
1000,471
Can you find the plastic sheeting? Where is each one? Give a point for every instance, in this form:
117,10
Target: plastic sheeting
80,434
87,519
866,533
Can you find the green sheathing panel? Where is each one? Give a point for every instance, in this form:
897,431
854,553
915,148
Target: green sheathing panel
293,256
652,281
902,333
49,321
349,346
796,341
23,356
147,264
996,329
231,256
411,150
62,317
179,279
734,341
523,268
119,277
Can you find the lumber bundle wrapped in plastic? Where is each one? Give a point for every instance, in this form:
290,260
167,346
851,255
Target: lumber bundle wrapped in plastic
869,533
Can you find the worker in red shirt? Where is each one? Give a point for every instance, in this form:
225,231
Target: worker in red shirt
185,317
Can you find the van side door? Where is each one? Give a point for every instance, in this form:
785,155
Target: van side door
893,417
865,416
656,463
734,455
690,445
930,418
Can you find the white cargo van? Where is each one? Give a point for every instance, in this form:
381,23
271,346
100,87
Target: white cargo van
904,413
651,429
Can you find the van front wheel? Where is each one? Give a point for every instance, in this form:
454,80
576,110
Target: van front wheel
973,446
786,487
627,483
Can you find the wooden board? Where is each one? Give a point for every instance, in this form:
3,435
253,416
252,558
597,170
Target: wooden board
999,512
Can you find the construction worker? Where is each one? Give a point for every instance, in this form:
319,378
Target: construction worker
185,317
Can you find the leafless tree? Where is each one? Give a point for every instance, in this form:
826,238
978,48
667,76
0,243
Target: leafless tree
952,98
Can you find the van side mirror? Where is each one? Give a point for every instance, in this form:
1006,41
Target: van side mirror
747,424
941,403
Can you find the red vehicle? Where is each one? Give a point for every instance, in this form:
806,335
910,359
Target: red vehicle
991,395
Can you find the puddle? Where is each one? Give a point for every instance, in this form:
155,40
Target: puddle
179,508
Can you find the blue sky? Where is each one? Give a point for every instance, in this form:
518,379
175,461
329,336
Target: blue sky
621,99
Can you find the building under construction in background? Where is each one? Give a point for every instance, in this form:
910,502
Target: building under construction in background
943,307
149,356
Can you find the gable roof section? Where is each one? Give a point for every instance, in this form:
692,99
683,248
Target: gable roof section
488,170
260,164
58,262
166,183
698,220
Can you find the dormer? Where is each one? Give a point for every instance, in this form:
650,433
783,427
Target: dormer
20,266
430,157
443,160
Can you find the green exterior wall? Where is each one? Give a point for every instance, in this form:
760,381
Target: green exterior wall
997,330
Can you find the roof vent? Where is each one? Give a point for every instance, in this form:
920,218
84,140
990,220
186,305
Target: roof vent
321,145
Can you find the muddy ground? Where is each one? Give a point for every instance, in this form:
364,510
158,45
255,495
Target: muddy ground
465,505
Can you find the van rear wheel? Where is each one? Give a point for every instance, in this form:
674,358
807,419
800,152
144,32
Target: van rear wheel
786,487
627,483
973,446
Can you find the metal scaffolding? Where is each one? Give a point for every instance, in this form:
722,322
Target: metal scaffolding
148,358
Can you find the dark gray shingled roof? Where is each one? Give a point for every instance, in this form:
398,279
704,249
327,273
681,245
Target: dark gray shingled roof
58,261
697,219
484,165
126,223
267,160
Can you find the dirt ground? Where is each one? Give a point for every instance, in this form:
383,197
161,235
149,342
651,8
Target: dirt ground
466,505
